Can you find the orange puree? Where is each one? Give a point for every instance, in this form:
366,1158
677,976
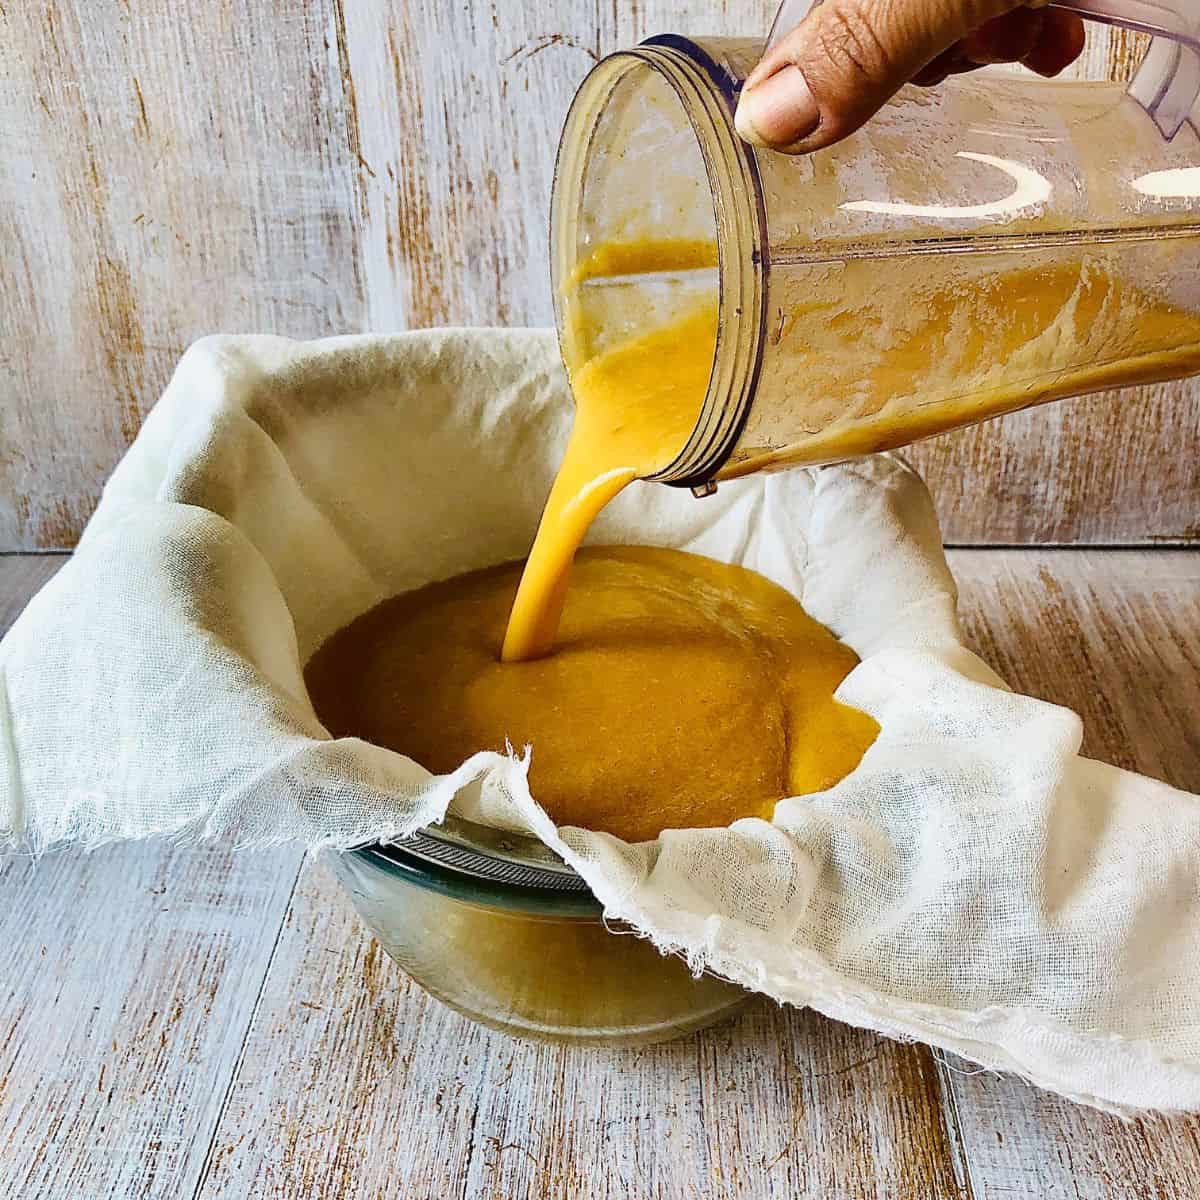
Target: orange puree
682,692
664,690
635,406
644,256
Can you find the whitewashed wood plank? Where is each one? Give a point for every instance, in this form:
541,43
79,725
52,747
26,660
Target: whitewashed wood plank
458,111
127,981
355,1084
1022,1143
165,173
310,168
1112,635
20,576
1114,468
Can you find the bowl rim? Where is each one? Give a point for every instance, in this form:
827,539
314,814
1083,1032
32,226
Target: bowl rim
400,861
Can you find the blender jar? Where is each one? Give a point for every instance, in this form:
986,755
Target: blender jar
994,243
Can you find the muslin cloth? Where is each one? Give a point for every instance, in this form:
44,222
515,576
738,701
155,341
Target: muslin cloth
974,884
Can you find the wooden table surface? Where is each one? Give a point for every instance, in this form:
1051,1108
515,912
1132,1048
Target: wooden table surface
197,1025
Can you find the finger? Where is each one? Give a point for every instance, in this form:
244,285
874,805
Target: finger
1005,39
843,62
1045,41
949,62
1060,43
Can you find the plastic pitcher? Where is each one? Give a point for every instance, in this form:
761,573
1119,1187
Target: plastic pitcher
996,242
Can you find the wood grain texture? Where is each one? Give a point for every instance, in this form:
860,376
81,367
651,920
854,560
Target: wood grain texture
165,172
459,111
128,978
309,168
1114,468
1111,635
1108,634
20,577
355,1084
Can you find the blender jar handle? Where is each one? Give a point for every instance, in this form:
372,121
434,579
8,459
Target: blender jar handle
1167,84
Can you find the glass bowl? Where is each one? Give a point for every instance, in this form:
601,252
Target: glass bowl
500,929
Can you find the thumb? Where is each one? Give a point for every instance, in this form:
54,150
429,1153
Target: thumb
841,64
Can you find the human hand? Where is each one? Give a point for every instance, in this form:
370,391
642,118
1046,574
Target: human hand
840,65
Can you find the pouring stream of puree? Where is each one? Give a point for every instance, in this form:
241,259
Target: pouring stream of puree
668,691
635,405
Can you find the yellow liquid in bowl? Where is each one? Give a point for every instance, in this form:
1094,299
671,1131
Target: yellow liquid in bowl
682,692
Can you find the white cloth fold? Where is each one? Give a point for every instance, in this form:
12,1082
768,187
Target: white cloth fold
975,883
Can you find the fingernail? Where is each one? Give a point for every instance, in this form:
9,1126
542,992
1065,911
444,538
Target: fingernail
778,112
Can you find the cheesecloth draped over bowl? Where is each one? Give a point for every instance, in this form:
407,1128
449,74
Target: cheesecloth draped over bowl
974,884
